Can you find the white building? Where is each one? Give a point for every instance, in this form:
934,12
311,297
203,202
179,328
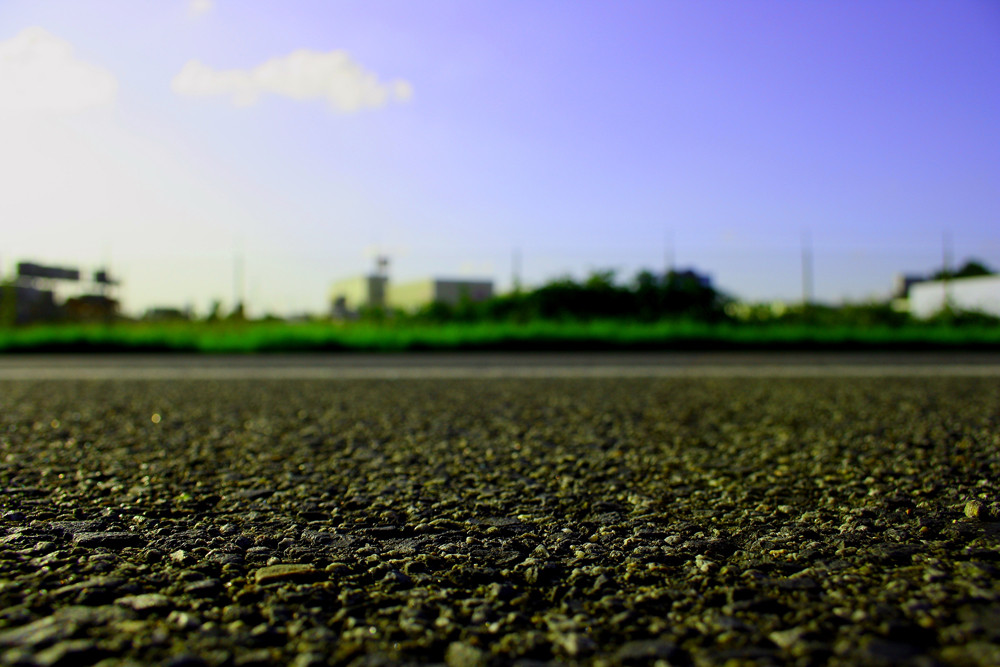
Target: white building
350,295
413,295
980,293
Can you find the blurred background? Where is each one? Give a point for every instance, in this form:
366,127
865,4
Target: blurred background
217,151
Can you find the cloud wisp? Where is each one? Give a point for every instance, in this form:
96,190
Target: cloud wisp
333,76
39,72
200,7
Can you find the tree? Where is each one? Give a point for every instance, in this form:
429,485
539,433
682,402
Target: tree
238,314
970,269
213,313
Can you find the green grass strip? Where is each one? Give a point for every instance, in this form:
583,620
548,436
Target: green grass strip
251,337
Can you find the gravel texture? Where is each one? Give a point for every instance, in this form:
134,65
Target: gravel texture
477,522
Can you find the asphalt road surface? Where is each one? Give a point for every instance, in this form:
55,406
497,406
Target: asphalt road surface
529,509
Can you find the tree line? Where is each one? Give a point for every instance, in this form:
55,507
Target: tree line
650,296
647,297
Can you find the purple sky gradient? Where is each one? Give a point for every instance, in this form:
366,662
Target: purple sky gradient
586,134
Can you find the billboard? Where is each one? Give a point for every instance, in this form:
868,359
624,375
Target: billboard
32,270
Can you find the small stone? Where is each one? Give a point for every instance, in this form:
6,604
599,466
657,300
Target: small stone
645,651
186,660
144,602
396,577
109,540
258,552
704,564
284,572
885,651
933,574
310,659
203,587
254,658
787,638
461,654
797,584
60,625
42,631
72,652
575,644
337,569
91,591
182,620
500,591
972,653
975,509
86,616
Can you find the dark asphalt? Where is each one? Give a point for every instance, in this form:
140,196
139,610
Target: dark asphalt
698,521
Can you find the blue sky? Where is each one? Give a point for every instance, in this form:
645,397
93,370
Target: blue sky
167,138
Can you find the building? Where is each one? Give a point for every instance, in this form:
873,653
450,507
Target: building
91,308
413,295
30,296
351,296
25,304
979,293
904,281
348,297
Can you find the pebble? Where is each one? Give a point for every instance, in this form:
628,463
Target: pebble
575,644
786,639
182,620
145,602
109,540
976,509
645,651
60,625
461,654
284,572
67,653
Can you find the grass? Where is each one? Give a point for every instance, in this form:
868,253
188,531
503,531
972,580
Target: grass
251,337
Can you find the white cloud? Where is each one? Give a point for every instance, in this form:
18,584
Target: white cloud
301,75
200,7
38,72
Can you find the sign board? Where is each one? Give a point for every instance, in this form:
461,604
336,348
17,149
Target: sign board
32,270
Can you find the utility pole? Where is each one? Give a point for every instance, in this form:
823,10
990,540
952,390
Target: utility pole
238,284
807,269
669,253
946,271
515,270
105,287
